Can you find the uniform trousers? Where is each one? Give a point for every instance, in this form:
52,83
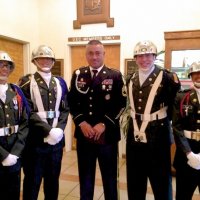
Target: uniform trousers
9,184
187,180
107,156
38,165
143,163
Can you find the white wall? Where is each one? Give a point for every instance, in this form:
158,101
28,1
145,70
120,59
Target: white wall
51,22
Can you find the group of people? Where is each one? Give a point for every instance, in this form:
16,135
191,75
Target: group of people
149,102
33,118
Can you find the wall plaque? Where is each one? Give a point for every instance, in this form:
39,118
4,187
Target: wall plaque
93,11
130,66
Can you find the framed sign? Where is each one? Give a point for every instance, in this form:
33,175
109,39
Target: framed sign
58,68
130,66
93,11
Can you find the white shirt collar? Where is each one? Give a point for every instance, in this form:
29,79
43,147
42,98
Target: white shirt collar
98,69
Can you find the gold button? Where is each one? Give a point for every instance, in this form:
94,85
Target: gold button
194,100
49,94
198,121
6,106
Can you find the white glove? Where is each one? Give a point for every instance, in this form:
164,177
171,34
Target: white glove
50,140
10,160
54,137
194,160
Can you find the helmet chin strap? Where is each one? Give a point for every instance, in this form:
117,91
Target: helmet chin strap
44,69
3,78
146,69
197,84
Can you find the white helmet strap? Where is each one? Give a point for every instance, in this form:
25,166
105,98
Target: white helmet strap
44,69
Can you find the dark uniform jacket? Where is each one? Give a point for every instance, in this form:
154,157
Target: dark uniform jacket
38,128
157,130
98,101
186,116
13,112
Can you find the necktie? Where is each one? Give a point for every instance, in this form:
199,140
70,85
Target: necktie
94,73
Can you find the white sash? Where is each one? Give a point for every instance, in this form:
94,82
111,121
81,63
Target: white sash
37,101
139,134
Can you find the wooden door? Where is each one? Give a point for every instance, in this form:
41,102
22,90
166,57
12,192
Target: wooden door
15,50
112,59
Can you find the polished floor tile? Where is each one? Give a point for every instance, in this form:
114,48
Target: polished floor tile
69,182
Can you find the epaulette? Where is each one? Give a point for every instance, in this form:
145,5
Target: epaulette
113,69
25,80
128,77
82,68
166,70
184,90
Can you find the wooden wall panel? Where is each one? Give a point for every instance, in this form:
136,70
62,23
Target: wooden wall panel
112,56
15,50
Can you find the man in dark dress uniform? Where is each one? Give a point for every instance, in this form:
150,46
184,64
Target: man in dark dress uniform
151,92
47,96
13,131
186,127
95,100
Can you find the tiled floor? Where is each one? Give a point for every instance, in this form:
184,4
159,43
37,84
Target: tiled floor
69,183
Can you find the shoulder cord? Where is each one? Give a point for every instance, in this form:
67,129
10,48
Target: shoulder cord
76,83
186,97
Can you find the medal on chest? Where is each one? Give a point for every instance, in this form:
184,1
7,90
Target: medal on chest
15,103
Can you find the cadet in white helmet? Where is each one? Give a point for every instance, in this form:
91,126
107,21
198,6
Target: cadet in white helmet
151,92
13,130
186,128
47,96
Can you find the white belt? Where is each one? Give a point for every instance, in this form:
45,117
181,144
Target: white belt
192,135
7,131
160,114
48,114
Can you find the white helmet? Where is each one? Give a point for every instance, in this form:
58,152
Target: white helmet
144,47
5,57
194,67
43,51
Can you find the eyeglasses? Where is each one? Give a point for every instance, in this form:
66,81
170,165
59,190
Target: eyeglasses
7,65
